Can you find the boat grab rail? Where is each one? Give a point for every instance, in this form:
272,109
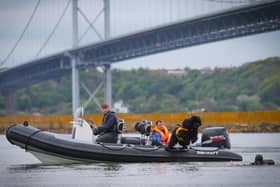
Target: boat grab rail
144,149
111,147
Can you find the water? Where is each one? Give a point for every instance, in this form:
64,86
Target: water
20,168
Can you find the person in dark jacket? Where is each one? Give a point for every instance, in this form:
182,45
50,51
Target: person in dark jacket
186,133
107,131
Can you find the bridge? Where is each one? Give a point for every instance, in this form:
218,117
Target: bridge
231,23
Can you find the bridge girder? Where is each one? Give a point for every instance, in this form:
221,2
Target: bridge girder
200,30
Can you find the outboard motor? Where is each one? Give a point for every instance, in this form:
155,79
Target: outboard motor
215,137
126,140
144,127
120,126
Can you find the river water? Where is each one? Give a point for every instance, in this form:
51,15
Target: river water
20,168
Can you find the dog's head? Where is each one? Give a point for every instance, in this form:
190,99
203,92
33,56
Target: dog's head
193,122
196,121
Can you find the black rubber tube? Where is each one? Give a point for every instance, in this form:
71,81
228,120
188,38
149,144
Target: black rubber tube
29,137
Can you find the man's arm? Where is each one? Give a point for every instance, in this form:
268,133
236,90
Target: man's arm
109,122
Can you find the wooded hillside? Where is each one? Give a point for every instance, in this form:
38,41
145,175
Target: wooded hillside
252,87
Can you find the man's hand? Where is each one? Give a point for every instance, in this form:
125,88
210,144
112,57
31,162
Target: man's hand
91,124
96,131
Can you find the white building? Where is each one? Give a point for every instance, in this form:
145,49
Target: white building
120,107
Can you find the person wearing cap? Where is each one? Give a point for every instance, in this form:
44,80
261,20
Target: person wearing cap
107,131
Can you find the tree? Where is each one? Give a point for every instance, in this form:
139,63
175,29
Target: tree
248,103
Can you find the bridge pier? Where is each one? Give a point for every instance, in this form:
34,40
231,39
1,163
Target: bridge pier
75,87
108,85
10,104
74,61
108,74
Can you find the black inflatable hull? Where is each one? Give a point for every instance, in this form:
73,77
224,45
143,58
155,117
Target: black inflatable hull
50,144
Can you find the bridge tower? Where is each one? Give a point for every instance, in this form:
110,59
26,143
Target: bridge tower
108,74
74,61
10,104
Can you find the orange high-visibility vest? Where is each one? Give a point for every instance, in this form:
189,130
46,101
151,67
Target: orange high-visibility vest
164,134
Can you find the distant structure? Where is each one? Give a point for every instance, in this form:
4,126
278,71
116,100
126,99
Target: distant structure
222,69
178,73
197,110
120,107
206,71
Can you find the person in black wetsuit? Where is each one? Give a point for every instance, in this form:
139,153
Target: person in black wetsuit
107,131
259,161
185,134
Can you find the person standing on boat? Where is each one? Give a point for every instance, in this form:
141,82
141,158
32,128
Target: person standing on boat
107,131
160,134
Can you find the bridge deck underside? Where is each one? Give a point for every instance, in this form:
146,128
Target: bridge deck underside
211,28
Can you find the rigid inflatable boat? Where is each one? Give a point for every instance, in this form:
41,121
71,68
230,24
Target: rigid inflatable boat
52,148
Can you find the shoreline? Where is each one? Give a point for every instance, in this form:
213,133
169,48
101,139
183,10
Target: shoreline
240,122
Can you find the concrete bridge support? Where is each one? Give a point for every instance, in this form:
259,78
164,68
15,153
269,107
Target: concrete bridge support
75,60
75,70
108,85
10,104
108,74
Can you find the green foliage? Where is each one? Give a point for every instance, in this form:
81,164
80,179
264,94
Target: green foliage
253,86
2,105
270,90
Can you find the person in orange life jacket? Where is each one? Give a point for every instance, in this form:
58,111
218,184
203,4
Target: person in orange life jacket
160,134
107,131
185,134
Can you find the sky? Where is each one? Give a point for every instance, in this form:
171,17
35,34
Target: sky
127,16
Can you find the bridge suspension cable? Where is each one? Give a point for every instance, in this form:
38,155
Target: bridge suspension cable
90,24
89,27
22,33
54,29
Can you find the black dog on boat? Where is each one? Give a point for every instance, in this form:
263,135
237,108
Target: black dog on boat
186,133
